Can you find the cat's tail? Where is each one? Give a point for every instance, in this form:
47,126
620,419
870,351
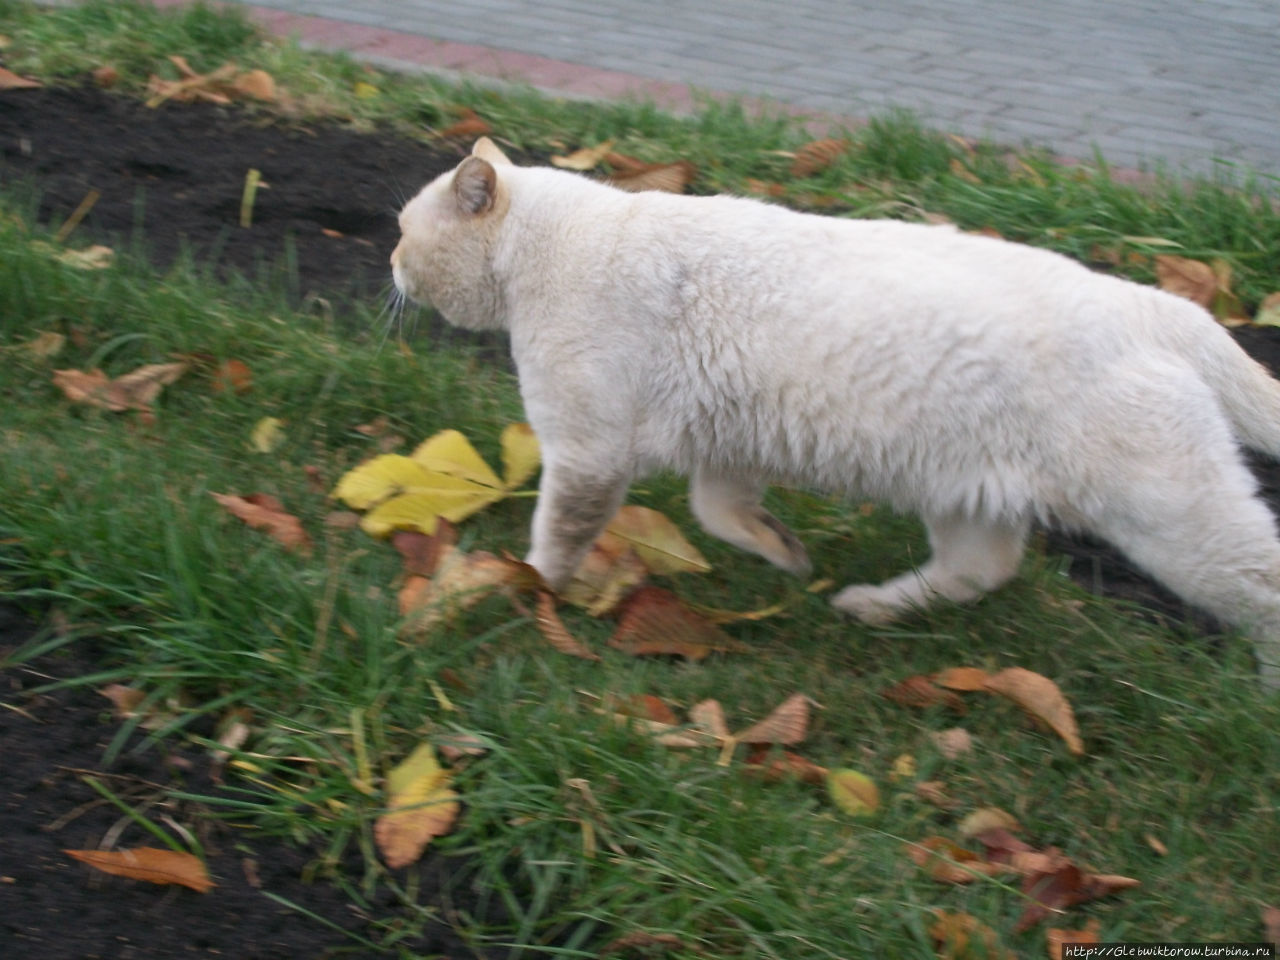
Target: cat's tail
1249,395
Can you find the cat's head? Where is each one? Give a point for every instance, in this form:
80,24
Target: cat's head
447,233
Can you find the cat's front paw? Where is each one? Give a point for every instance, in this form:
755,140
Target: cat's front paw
873,605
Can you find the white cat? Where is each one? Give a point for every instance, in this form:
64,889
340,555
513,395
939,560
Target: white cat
980,383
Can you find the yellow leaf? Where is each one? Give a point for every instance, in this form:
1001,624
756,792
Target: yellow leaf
449,452
150,864
904,768
520,454
853,792
585,159
604,578
421,806
45,345
268,433
378,479
987,818
1268,314
436,496
365,91
656,540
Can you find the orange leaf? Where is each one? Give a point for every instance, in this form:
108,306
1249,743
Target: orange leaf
961,936
555,632
655,623
150,864
469,125
256,85
1065,887
947,862
1040,697
962,678
423,554
920,691
773,766
643,705
264,512
787,724
233,375
11,81
1057,938
667,177
817,155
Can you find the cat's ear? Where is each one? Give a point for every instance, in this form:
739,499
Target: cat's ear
475,185
486,149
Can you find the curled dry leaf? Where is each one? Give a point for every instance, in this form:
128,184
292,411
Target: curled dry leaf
255,85
965,679
948,862
655,623
150,864
609,571
1065,887
775,765
125,699
787,724
818,155
264,512
556,633
136,390
984,819
666,177
421,806
462,581
11,81
1040,697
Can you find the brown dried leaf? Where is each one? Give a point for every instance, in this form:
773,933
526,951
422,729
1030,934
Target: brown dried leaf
556,633
126,699
264,512
920,691
647,942
961,936
656,540
1057,938
11,81
1271,923
667,177
1040,697
1187,278
234,376
817,155
787,724
765,188
106,76
423,553
256,85
935,792
587,158
420,807
655,623
462,581
93,388
644,705
964,679
948,862
469,125
773,765
608,573
987,818
708,716
150,864
1065,887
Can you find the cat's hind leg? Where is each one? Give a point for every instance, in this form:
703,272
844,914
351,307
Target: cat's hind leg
730,508
970,557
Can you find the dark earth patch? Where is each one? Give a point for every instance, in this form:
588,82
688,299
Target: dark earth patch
174,176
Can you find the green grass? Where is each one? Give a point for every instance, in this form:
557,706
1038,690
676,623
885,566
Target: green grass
575,830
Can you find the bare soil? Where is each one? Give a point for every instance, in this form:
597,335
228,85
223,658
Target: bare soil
172,178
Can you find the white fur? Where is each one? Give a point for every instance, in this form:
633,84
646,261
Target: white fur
980,383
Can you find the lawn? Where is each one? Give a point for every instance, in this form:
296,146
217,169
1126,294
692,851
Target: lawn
579,830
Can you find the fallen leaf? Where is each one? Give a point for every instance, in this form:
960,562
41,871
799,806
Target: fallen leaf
774,765
666,177
1187,278
765,188
1056,938
965,679
934,792
421,806
462,581
904,768
126,699
952,743
655,623
106,77
605,576
364,90
468,126
984,819
1271,924
1040,697
268,434
718,615
264,512
454,746
920,691
150,864
44,346
853,792
521,454
422,553
232,375
645,942
644,705
94,257
656,540
256,85
961,936
1157,847
133,391
948,862
556,633
787,724
1065,887
818,155
11,81
708,716
586,158
1268,314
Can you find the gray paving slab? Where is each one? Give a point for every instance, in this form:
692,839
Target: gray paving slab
1181,83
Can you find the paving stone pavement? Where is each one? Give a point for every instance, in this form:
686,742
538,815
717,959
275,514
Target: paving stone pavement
1186,83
